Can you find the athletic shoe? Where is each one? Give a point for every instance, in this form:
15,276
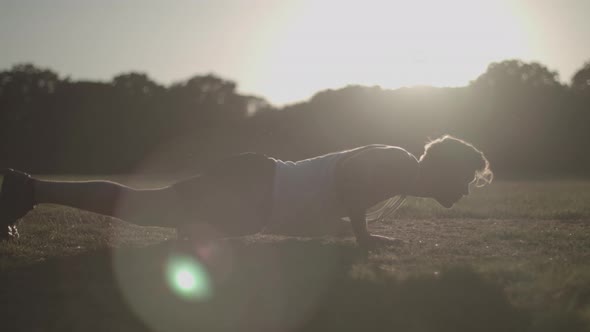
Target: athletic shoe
16,199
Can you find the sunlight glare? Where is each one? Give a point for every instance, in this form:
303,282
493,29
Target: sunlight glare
330,44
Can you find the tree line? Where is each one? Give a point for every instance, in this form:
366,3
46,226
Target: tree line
518,113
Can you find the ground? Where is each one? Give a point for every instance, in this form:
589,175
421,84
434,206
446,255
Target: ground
510,257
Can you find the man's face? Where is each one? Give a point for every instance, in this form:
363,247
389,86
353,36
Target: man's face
450,188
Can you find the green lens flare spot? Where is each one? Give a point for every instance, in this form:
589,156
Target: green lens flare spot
188,279
185,280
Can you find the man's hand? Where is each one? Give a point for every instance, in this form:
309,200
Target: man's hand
365,240
371,242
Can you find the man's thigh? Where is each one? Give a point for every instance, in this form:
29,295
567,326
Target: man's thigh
233,199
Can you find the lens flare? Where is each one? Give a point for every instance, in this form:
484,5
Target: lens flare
185,281
188,279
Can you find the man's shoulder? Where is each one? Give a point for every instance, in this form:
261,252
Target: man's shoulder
381,161
379,154
374,174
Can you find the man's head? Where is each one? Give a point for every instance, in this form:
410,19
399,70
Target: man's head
448,166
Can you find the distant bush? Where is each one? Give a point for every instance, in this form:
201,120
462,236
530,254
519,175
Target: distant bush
519,114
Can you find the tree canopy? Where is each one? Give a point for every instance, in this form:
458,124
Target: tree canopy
519,113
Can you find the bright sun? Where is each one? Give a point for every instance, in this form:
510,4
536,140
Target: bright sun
392,43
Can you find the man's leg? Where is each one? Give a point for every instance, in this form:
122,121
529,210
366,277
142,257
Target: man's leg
20,193
150,207
233,197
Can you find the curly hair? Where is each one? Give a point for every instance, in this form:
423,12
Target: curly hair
458,154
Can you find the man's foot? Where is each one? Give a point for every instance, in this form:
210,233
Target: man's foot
16,199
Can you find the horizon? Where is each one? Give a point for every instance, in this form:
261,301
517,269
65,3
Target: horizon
284,105
286,52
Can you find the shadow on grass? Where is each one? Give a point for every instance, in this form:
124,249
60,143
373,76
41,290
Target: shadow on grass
261,285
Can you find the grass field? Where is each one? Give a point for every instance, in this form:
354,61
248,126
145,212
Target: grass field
513,256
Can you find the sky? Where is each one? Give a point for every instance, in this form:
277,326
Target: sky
287,50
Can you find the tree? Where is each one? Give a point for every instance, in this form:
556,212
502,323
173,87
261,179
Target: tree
581,79
511,74
26,92
25,81
136,84
205,101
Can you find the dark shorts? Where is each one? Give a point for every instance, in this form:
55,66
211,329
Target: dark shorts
233,196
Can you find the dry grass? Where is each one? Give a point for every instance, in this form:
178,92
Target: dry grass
513,256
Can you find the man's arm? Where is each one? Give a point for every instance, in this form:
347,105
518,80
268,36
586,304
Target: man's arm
367,178
364,239
373,175
359,227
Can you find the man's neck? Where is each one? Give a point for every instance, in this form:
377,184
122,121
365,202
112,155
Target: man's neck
417,188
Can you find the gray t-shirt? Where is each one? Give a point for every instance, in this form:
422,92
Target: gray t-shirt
304,193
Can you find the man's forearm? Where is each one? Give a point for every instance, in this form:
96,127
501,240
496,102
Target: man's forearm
359,226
